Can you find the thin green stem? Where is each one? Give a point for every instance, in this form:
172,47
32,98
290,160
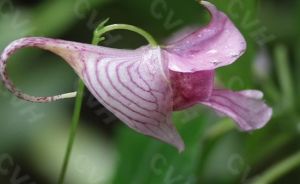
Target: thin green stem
73,131
219,129
101,30
297,68
284,74
278,170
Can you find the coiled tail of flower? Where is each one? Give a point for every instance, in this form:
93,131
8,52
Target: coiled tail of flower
56,46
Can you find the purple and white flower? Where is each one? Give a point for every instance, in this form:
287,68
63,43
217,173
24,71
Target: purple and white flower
143,87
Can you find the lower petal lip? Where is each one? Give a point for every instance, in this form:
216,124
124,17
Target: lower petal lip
245,108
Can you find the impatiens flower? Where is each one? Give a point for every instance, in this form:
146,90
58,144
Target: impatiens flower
142,87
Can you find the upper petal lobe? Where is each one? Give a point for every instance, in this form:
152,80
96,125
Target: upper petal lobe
218,44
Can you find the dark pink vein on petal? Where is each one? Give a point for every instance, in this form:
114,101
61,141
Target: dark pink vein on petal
120,101
117,68
104,102
151,90
231,101
238,114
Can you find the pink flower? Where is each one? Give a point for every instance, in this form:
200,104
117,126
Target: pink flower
142,87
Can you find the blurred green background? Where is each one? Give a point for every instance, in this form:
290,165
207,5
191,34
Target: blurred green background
33,137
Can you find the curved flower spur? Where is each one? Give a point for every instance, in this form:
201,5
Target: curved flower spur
142,87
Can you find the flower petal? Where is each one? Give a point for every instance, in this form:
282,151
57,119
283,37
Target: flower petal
255,94
137,90
218,44
180,34
190,88
246,107
133,84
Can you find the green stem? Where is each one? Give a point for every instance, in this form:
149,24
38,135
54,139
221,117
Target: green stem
73,131
284,74
101,30
278,170
219,129
297,68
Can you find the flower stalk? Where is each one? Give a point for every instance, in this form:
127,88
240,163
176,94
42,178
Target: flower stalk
102,30
73,131
284,74
278,170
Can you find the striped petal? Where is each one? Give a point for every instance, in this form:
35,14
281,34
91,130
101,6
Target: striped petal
133,84
218,44
136,88
246,108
